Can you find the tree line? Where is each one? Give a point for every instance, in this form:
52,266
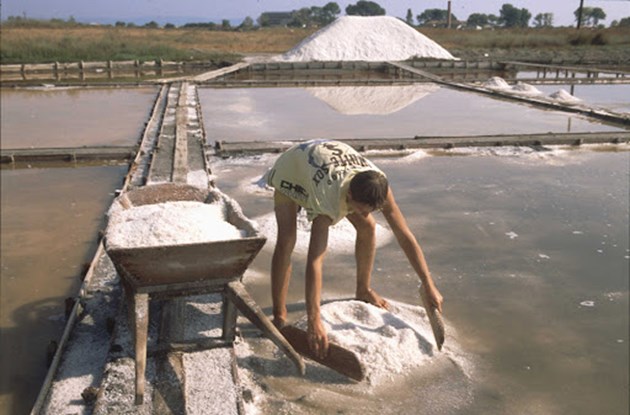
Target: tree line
508,16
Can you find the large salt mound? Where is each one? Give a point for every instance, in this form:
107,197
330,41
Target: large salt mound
358,38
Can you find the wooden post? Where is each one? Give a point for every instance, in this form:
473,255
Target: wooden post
449,16
140,330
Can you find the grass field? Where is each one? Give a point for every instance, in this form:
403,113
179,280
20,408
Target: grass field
97,43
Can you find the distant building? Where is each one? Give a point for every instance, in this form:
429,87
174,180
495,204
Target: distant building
275,18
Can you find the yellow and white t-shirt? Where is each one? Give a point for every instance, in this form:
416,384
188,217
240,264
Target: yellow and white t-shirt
316,175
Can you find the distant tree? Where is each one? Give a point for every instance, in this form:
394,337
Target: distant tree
120,24
590,15
365,8
409,18
152,25
300,18
247,24
625,22
433,16
314,16
225,25
131,24
477,19
329,13
169,26
543,20
511,16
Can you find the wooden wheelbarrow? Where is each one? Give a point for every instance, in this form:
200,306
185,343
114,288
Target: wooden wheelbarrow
190,269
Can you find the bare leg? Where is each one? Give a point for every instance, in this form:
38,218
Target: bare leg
286,214
365,251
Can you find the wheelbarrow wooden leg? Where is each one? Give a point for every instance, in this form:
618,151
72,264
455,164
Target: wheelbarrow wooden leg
229,319
237,294
141,327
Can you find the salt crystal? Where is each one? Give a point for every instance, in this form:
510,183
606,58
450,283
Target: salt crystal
170,223
386,342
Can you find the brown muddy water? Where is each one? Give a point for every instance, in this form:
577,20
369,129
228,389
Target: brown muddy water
373,112
50,221
73,117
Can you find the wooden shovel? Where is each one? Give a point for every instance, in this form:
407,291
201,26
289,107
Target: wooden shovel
435,318
338,359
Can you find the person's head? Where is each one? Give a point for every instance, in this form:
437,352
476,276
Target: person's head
369,188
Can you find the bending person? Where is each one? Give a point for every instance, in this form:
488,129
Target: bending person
330,180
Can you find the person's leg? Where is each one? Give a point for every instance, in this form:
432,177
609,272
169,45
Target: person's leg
286,215
365,251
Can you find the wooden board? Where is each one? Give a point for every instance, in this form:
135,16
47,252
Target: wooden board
338,359
435,318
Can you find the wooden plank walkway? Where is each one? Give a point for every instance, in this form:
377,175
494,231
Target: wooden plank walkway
72,154
608,116
93,368
226,149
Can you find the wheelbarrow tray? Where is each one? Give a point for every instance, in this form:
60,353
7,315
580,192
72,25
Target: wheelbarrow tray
178,264
190,262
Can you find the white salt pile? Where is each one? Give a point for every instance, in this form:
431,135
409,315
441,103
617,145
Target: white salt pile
564,97
170,223
341,240
526,89
496,82
386,342
499,84
374,100
359,38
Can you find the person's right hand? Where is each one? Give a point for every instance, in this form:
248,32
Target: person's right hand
317,339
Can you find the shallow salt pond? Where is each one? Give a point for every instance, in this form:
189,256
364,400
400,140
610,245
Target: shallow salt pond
372,112
531,253
73,117
50,220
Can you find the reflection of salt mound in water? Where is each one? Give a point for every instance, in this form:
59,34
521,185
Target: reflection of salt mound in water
358,38
564,97
375,100
341,238
386,343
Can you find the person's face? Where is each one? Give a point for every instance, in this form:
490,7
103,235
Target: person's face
358,207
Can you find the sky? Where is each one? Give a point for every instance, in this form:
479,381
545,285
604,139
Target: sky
188,11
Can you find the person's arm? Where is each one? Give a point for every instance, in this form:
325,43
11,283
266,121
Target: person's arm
317,338
411,248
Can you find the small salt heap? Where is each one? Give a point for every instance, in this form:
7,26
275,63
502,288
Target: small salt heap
564,97
170,223
496,82
365,38
499,84
386,342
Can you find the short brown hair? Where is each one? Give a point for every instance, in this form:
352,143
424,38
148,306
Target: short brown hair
369,187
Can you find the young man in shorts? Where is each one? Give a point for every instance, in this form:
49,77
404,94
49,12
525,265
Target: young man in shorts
330,180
